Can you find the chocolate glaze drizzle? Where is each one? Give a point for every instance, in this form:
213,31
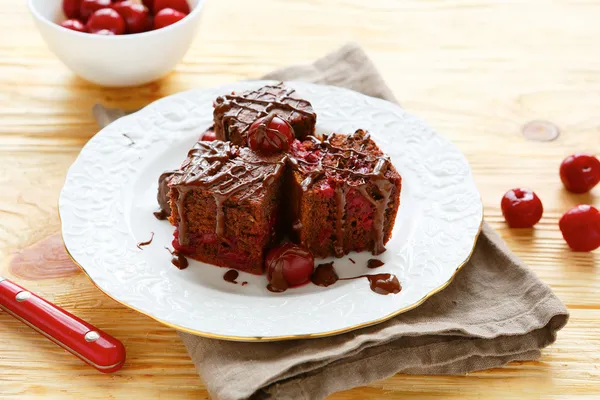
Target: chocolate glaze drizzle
376,176
277,284
146,243
374,263
241,110
231,276
325,275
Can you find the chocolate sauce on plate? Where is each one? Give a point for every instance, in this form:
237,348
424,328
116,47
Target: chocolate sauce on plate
324,275
161,215
178,259
231,276
384,284
374,263
146,243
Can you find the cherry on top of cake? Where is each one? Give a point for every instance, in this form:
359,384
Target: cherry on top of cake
227,170
236,112
353,159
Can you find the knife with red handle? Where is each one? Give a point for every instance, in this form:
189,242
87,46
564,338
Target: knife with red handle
93,346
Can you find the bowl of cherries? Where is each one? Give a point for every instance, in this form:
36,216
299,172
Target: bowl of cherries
118,42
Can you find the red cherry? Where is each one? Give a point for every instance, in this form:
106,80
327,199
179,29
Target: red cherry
521,208
297,263
71,8
208,136
166,17
270,134
580,172
88,7
580,226
106,19
74,25
178,5
134,14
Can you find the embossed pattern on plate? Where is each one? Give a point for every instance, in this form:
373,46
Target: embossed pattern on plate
110,192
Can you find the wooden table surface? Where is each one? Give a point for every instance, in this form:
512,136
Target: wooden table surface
476,70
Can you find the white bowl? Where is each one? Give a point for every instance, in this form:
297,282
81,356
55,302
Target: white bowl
123,60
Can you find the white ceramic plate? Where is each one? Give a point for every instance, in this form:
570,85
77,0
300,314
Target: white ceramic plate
109,196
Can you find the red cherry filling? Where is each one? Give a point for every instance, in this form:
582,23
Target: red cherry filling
74,25
166,17
324,234
178,5
270,135
88,7
360,209
521,208
71,8
236,259
326,190
135,15
580,227
580,172
288,265
208,238
179,247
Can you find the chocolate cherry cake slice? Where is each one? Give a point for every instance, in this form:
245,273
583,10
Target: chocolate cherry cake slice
224,201
344,194
235,113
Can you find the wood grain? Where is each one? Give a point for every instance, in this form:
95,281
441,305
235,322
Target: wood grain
475,70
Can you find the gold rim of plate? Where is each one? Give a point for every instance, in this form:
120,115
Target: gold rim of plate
285,337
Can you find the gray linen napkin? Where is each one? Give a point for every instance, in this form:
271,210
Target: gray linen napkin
495,311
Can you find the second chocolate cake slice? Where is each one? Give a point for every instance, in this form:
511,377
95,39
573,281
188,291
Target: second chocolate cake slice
344,195
225,204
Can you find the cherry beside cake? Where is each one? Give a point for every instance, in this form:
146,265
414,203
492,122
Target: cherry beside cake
267,178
